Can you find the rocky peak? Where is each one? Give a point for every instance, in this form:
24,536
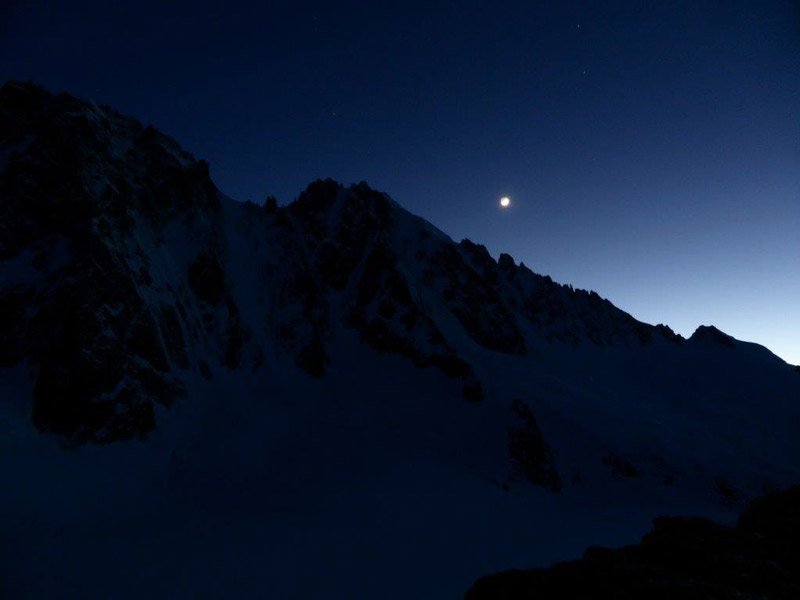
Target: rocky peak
88,160
709,333
84,192
337,223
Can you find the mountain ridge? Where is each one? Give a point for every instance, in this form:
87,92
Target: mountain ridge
134,263
94,144
337,364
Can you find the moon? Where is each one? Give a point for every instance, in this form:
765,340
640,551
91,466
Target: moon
505,202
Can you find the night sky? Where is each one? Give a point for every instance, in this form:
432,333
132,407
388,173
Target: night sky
651,150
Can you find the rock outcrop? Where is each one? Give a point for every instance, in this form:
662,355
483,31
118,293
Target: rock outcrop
682,557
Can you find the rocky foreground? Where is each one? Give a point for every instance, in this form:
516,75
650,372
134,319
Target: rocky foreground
682,557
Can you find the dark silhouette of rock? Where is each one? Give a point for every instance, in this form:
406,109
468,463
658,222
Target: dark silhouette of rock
533,458
207,278
620,467
709,333
271,204
682,557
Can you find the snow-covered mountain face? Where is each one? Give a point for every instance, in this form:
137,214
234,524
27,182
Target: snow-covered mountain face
137,301
119,274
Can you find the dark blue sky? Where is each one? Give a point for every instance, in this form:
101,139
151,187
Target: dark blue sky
651,150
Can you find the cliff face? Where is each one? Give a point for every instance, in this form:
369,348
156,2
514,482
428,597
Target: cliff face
86,194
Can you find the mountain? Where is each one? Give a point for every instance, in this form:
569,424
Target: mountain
337,358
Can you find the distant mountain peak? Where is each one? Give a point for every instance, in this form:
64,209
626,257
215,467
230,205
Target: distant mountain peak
709,333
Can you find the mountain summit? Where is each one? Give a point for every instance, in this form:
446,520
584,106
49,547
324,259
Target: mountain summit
342,331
